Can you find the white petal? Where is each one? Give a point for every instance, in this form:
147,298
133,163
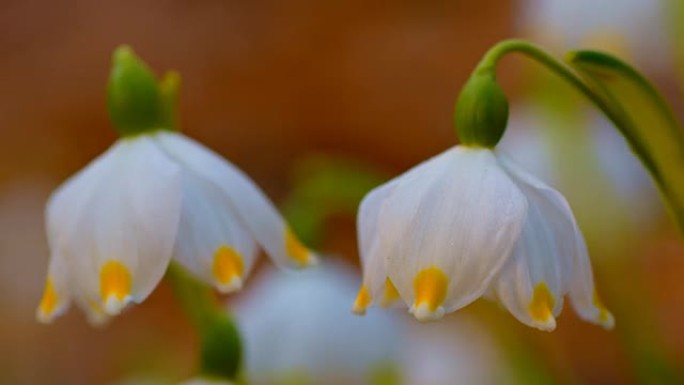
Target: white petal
255,210
373,253
533,282
583,294
209,225
122,210
458,213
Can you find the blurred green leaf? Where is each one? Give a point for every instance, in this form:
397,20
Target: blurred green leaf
326,186
643,117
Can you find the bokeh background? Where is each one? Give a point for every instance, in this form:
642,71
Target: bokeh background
291,90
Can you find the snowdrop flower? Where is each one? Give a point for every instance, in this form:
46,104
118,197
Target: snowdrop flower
154,195
296,328
468,223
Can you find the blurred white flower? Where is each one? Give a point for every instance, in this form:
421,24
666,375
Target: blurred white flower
205,381
296,327
467,223
113,227
626,27
456,350
586,151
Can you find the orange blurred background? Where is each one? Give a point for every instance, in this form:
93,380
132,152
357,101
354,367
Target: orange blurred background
267,84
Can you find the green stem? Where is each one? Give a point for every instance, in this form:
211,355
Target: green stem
195,298
492,57
221,349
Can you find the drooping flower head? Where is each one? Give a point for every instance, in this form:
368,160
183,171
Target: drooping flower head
154,195
469,223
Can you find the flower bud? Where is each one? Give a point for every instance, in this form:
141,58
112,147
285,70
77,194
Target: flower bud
133,96
481,111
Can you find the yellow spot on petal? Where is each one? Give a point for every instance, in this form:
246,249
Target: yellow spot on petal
363,299
115,280
604,314
430,286
227,264
389,294
542,303
48,303
296,250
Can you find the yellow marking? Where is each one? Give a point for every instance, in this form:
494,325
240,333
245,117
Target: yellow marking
389,294
295,250
603,312
363,299
542,303
227,264
430,286
115,280
48,303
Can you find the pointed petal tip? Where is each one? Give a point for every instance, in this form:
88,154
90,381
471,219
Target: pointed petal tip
113,305
606,319
362,301
232,286
358,310
424,313
309,261
51,304
548,325
45,318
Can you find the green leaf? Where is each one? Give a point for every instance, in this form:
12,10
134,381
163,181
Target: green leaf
326,186
643,117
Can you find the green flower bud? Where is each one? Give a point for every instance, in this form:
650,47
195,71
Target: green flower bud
133,96
169,89
221,349
481,111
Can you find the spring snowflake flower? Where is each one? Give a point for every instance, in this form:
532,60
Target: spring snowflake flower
297,328
469,223
155,195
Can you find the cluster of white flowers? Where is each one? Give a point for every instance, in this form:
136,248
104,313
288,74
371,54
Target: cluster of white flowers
464,224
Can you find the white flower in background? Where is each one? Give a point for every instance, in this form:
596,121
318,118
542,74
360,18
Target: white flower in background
627,27
457,350
114,227
205,381
297,328
467,223
601,158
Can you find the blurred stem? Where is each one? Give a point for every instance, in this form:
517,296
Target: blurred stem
492,57
195,297
220,346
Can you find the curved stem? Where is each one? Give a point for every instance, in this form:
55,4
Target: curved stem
492,57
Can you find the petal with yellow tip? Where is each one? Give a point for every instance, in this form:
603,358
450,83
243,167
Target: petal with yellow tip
457,211
123,207
212,242
227,269
430,287
56,298
115,286
253,208
363,300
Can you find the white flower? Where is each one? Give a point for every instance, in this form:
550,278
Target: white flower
629,27
468,223
296,327
114,227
